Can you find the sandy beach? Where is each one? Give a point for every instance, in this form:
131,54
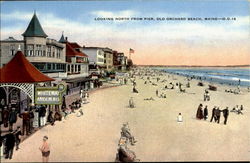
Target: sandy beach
94,136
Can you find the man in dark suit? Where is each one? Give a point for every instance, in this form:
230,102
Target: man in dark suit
213,115
10,144
217,114
225,114
26,121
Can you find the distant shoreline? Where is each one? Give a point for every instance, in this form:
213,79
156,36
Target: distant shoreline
216,76
193,66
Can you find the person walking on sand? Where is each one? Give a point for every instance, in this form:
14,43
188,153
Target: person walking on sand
205,113
45,149
213,115
217,114
225,114
157,92
199,114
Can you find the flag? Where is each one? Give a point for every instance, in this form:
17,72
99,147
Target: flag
131,50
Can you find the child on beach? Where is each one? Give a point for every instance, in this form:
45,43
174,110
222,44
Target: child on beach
45,149
179,118
131,102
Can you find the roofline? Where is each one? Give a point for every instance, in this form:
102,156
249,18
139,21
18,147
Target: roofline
76,56
92,47
35,36
95,47
12,41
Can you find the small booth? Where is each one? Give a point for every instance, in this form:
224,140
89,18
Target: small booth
18,79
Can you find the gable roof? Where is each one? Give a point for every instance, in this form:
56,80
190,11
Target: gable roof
34,28
70,51
74,45
20,70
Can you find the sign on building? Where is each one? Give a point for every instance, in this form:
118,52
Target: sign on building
49,95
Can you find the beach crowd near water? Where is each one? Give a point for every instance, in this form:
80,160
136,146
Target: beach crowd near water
152,116
145,75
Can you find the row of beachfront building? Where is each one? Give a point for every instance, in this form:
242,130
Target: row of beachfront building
63,60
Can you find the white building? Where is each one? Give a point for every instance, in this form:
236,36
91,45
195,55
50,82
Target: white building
96,58
47,55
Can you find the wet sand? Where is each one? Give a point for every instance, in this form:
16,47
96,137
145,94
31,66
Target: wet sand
94,136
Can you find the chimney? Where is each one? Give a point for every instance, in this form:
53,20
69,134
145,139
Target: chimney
66,38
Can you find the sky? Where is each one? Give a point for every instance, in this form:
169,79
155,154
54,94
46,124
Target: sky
155,42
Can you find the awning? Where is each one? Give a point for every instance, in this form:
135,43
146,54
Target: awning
80,79
20,70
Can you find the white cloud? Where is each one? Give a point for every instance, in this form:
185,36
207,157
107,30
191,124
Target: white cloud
97,32
17,15
242,21
109,14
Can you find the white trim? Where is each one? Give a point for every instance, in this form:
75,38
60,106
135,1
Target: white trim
27,88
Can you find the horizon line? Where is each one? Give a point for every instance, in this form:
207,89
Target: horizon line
245,65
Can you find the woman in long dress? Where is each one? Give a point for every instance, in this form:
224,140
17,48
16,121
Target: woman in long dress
199,114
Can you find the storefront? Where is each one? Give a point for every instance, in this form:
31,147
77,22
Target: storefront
77,84
18,80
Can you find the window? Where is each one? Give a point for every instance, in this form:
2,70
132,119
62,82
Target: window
53,51
49,51
58,53
49,66
44,50
12,49
30,50
72,68
68,68
79,68
100,60
39,66
38,50
100,52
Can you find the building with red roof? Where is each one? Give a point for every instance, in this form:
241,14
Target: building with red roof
77,64
47,55
20,70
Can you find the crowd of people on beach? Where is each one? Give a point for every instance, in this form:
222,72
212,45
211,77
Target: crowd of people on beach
150,76
202,113
238,110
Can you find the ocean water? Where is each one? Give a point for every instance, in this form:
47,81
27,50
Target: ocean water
230,76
